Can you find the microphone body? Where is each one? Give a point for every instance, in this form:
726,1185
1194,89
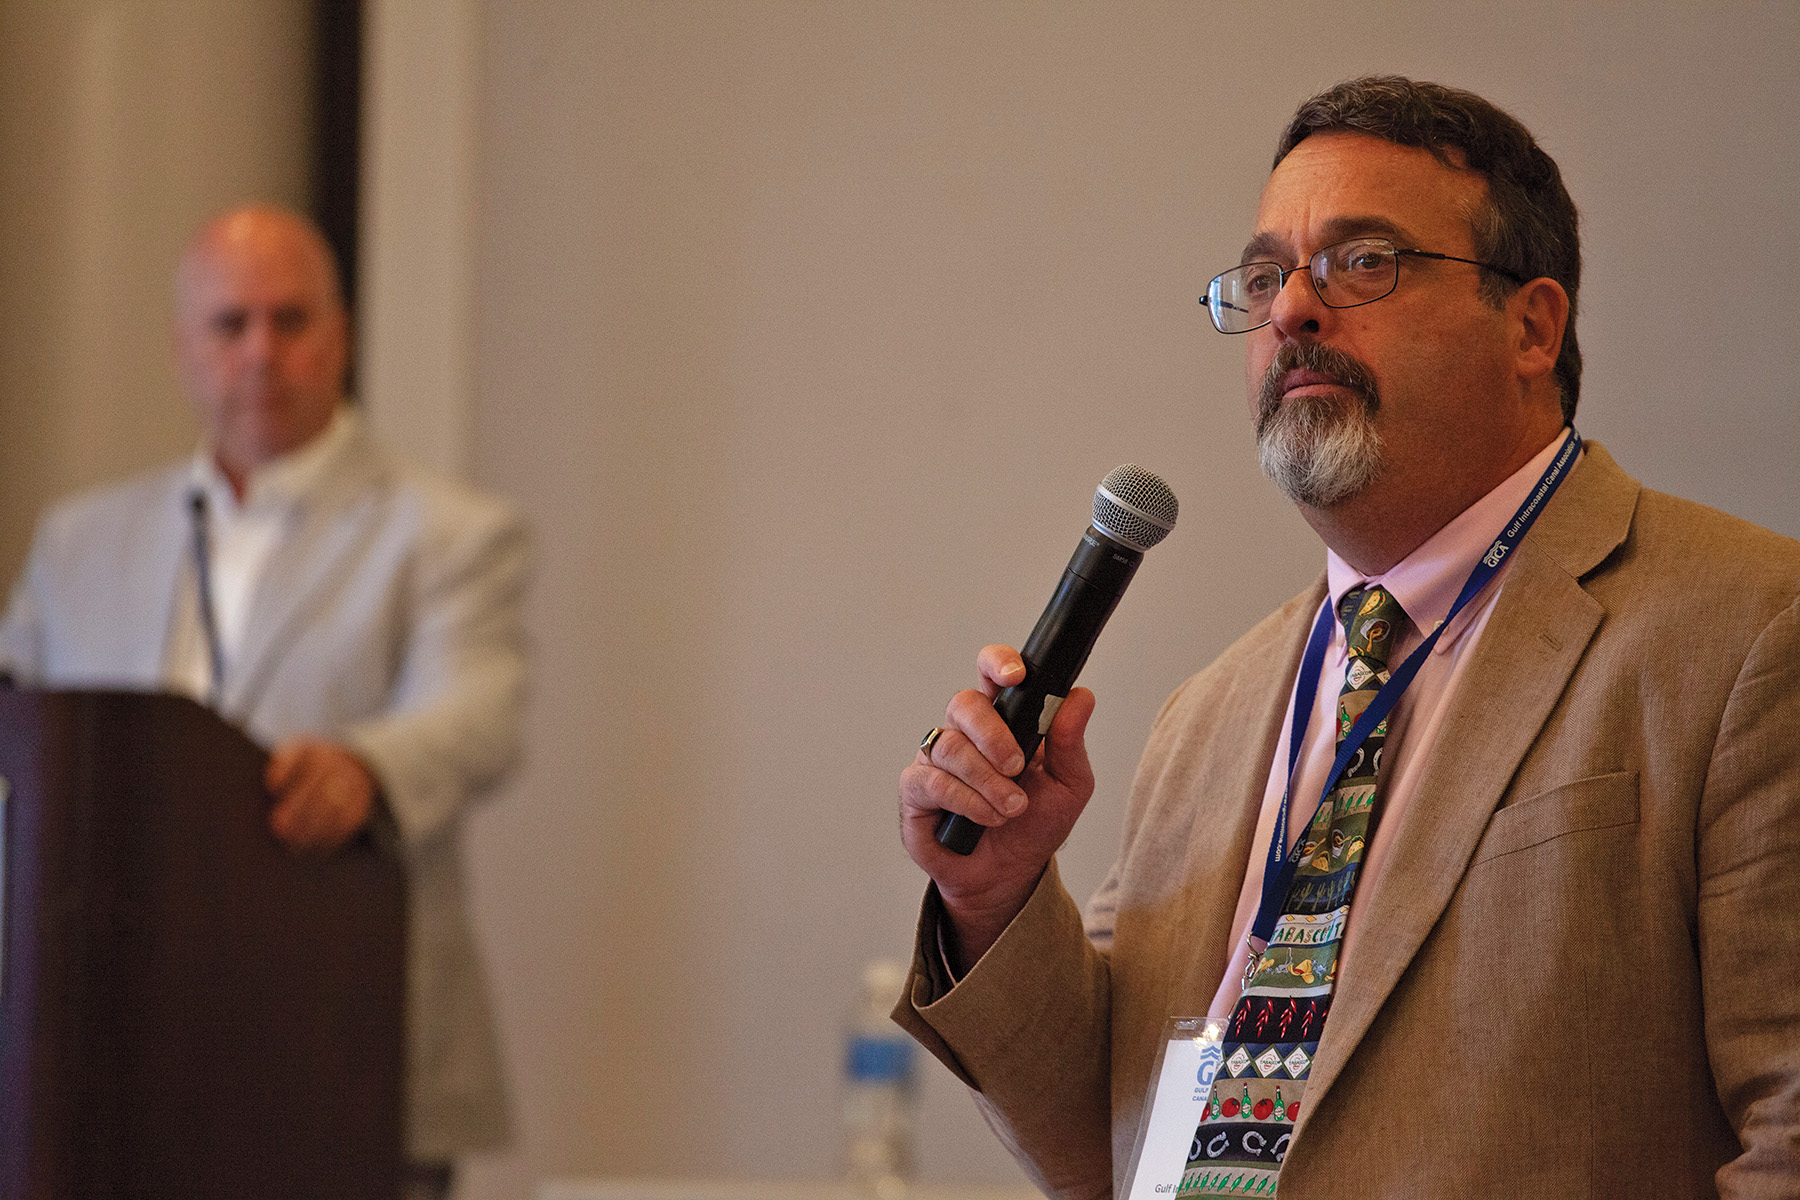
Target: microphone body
1090,589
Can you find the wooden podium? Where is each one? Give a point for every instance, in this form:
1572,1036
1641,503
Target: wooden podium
186,1008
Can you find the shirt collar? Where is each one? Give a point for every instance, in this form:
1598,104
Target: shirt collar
284,480
1427,581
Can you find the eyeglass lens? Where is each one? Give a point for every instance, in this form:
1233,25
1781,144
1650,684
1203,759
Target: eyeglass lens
1346,274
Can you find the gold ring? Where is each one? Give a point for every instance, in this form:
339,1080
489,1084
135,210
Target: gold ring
930,740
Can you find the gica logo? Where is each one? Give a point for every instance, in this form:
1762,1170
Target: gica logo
1209,1064
1494,555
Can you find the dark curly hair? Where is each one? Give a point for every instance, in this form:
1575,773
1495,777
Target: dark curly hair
1530,226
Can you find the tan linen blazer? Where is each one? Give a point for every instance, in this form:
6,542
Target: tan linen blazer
387,618
1579,974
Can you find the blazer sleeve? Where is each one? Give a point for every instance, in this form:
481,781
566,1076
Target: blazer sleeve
451,729
1749,895
22,629
1027,1029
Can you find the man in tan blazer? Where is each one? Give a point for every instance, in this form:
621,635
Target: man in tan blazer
365,614
1572,960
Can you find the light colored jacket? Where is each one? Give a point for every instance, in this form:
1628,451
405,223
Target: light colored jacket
387,618
1579,974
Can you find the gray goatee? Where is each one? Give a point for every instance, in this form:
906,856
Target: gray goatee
1319,450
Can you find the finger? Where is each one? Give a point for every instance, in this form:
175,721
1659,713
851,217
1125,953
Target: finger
303,809
327,798
928,792
972,714
955,755
292,817
287,820
309,823
350,797
282,762
302,764
330,827
1000,667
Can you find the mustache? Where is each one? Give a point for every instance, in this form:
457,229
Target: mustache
1335,365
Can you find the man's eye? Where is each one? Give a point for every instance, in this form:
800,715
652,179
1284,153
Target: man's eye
1365,260
1261,283
289,320
230,325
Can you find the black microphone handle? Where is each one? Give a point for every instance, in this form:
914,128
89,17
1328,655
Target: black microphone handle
1054,654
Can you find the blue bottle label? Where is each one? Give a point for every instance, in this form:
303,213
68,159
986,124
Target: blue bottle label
878,1059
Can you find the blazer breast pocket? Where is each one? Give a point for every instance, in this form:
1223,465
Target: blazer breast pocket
1597,802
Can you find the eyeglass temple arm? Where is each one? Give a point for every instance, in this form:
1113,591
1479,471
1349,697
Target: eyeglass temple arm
1452,258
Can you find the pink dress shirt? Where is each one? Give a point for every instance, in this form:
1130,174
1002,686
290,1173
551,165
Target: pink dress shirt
1426,583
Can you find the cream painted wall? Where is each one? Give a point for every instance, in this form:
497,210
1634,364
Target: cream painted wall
417,210
803,332
123,124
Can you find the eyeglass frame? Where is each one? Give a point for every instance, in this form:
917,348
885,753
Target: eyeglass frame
1314,268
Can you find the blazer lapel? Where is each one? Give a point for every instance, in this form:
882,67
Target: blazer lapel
1223,837
1539,630
161,561
327,523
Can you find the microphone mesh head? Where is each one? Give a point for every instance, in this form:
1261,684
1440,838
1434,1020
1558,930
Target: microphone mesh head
1134,506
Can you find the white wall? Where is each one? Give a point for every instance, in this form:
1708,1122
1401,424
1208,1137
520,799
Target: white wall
803,332
415,303
122,126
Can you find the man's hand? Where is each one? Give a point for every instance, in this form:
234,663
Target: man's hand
970,771
323,794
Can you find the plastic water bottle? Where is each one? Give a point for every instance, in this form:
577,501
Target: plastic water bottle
880,1103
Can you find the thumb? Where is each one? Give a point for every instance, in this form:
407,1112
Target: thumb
1065,757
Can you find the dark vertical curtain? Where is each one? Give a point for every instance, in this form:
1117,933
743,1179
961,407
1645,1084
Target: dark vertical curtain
337,128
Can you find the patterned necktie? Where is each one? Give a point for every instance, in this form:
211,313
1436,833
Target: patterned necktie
1274,1031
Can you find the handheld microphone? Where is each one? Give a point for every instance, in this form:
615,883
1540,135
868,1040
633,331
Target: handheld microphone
1133,510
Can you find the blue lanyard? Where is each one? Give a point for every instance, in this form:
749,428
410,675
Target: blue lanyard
1278,872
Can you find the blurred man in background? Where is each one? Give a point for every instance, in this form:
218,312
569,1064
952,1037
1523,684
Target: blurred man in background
353,612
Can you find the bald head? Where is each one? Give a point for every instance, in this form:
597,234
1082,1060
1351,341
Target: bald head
261,335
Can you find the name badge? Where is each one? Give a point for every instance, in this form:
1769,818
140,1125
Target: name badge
1180,1082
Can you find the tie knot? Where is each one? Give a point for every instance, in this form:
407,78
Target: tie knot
1372,621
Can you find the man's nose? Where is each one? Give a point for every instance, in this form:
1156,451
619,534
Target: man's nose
1298,314
259,340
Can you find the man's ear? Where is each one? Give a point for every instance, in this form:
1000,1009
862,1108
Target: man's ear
1539,311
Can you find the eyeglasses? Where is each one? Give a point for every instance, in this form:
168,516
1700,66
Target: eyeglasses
1359,271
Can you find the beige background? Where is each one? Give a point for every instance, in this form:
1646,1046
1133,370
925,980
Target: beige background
122,126
803,332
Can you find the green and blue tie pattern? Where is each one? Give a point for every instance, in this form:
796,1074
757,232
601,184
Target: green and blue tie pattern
1274,1031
